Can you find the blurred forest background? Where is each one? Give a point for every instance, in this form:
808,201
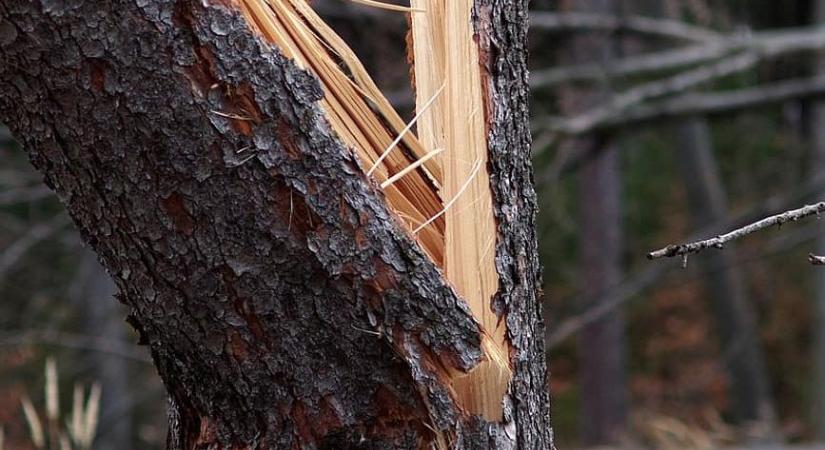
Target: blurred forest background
654,121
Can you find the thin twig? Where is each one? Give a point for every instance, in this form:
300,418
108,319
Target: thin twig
231,116
644,279
24,195
719,242
816,260
11,254
114,347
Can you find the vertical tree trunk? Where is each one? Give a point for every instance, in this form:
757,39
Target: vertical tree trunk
284,303
817,130
726,290
602,347
103,318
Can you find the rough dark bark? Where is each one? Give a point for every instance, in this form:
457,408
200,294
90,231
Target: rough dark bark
283,304
602,347
751,398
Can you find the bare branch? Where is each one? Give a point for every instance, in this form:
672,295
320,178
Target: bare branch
638,95
11,254
84,342
644,279
766,44
24,195
816,260
719,242
691,104
573,21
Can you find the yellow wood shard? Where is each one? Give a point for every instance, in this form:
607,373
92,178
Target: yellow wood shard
445,52
437,181
388,6
358,112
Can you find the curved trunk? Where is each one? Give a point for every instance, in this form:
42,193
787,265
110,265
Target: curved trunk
284,302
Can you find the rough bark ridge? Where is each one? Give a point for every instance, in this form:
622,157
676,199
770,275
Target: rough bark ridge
284,305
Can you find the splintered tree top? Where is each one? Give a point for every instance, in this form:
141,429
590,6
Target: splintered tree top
437,181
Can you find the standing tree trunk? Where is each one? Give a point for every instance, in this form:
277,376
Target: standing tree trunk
283,301
602,346
752,402
817,130
102,317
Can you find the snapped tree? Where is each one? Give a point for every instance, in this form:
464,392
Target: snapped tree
306,271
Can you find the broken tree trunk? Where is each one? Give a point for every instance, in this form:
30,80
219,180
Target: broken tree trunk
286,301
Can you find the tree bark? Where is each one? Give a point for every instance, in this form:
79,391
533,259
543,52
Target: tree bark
752,401
283,303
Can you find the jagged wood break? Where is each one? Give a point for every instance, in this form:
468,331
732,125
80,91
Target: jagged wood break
445,51
445,202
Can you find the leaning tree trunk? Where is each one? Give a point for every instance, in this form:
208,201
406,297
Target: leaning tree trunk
283,303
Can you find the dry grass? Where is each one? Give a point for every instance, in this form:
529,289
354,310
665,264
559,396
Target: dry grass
49,432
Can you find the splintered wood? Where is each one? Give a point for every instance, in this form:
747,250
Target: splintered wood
358,112
437,182
445,53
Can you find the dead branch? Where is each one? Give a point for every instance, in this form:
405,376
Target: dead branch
690,104
766,45
816,260
573,21
75,341
719,242
644,279
11,254
24,195
638,95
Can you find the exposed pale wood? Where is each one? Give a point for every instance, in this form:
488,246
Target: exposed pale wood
387,6
283,307
459,234
357,111
445,53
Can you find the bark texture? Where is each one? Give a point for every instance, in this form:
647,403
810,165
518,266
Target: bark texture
283,304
